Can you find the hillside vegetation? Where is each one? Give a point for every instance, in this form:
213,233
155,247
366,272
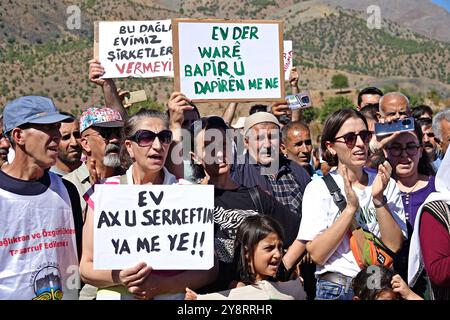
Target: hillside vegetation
40,55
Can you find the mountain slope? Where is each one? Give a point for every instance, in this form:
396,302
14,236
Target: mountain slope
421,16
40,55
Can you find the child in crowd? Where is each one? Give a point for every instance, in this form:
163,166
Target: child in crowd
380,283
258,253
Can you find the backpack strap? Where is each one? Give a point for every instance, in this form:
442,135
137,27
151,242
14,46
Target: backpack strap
335,192
338,198
256,198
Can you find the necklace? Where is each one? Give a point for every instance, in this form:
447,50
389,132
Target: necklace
410,189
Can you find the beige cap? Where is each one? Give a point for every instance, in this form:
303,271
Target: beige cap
259,117
240,123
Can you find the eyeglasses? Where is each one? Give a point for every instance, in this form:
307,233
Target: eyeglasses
106,133
351,137
411,150
145,138
307,142
429,134
424,121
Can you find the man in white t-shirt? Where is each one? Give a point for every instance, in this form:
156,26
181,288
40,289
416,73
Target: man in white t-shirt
38,255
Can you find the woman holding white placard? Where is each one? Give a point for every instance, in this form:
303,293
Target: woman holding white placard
147,140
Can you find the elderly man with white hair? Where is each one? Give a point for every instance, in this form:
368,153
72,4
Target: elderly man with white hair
441,129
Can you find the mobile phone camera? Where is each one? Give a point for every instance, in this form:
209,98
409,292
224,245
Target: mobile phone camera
305,100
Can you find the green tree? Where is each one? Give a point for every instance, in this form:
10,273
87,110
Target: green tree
310,114
339,81
434,96
333,104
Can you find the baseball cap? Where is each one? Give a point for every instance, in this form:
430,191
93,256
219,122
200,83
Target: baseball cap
259,117
100,117
30,109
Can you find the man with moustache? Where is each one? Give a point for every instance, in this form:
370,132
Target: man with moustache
394,106
296,145
100,139
4,144
69,149
265,167
430,145
35,202
441,128
272,172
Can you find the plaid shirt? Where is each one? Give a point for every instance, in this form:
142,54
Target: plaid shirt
286,186
286,190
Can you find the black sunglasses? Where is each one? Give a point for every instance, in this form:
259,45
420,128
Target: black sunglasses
108,132
425,121
429,134
145,138
351,137
396,150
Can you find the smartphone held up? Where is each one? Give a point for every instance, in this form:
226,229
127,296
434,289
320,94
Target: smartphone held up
300,100
401,125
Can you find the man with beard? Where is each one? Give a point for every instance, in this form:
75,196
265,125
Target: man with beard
69,149
101,132
296,145
100,139
4,144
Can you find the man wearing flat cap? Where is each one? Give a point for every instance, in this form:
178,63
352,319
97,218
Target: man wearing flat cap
38,256
264,166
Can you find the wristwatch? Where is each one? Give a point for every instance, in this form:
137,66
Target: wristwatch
381,204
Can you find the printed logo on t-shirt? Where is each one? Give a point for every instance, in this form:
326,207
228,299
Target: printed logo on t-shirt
46,282
367,217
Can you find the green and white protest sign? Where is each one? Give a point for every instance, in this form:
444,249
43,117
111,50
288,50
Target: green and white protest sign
229,60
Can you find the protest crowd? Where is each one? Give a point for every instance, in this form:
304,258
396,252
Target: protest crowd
290,218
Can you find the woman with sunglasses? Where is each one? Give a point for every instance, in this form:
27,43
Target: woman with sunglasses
212,157
415,178
373,199
147,141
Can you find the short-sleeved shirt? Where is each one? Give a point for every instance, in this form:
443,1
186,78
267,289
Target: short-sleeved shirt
119,292
320,212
